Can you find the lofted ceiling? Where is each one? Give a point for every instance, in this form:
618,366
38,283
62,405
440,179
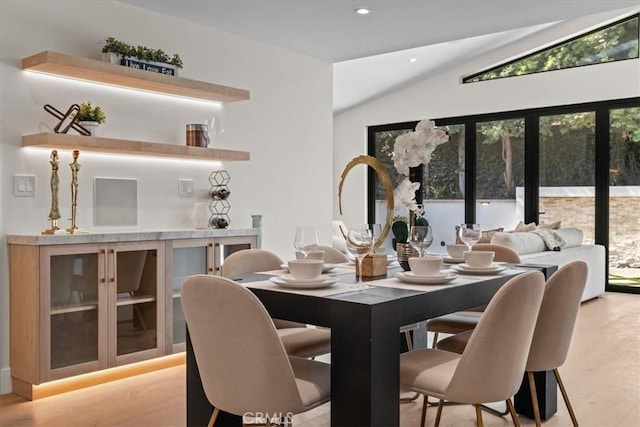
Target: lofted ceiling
371,52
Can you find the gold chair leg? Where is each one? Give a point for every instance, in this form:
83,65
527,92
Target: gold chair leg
424,410
479,420
409,399
534,398
494,411
439,413
565,396
407,337
434,344
212,420
512,411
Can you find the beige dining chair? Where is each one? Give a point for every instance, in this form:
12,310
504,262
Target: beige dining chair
492,365
465,320
298,339
554,329
243,365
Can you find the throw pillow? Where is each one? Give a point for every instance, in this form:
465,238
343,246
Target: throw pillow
523,228
550,226
486,235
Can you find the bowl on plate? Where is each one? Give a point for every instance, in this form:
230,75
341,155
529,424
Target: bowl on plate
457,250
479,258
426,265
305,268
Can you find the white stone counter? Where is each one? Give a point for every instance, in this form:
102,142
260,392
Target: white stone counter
126,236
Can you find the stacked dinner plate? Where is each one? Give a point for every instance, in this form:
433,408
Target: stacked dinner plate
432,279
288,281
465,268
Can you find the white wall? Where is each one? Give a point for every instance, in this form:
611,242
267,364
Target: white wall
444,96
286,125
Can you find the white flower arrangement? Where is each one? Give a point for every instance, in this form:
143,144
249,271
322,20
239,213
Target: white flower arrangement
412,149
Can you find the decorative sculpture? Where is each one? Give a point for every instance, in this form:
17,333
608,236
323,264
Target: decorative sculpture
219,205
54,213
67,119
75,169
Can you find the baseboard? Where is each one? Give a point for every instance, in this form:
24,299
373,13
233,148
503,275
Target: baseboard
5,381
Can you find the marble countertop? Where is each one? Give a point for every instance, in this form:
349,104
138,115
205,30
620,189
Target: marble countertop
127,236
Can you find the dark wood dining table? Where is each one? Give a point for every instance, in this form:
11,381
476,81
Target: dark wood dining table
365,347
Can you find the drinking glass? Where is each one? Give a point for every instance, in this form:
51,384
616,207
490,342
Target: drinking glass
359,244
306,239
375,231
421,238
470,234
216,126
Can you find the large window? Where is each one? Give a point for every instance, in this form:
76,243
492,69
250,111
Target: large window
615,42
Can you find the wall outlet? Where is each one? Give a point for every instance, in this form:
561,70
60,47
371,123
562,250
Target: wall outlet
185,187
24,185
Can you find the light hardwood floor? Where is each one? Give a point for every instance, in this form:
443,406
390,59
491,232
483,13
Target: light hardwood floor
602,375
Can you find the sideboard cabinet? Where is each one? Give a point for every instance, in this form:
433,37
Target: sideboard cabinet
89,302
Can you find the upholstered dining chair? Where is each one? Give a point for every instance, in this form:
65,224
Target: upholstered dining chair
298,339
554,328
465,320
243,365
492,365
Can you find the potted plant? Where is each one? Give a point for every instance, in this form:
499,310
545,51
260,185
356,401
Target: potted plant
141,57
90,117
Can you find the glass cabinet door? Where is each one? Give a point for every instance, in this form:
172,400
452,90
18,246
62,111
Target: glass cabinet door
189,258
138,282
75,336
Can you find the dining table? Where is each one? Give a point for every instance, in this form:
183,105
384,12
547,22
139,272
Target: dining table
365,347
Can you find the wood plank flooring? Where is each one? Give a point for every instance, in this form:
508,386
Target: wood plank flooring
602,375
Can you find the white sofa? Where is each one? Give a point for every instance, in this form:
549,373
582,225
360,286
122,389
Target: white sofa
532,250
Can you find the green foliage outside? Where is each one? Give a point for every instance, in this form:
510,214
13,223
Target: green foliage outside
615,43
567,155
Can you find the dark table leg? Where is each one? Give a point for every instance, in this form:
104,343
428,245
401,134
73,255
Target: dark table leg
364,365
546,391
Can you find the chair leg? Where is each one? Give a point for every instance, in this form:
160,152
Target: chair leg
512,411
409,399
534,398
565,396
424,410
407,337
435,340
439,413
479,415
212,420
494,411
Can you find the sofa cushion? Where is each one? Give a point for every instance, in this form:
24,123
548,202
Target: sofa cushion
572,236
521,242
486,237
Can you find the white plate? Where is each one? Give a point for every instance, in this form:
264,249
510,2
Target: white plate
425,280
493,266
414,275
323,282
290,279
481,270
451,260
326,267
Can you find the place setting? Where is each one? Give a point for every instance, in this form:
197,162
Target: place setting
479,262
304,274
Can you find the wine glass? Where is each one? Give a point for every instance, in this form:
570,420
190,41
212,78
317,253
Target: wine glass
216,126
421,238
359,244
306,239
470,234
375,230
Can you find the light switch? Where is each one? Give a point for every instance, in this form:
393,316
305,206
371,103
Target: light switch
24,185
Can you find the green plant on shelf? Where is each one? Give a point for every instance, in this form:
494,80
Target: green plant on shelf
89,113
141,52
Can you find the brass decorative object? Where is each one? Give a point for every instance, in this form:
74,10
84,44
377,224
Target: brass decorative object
75,169
385,180
54,213
67,120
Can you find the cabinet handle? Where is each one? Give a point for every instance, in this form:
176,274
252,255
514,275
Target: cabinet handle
102,251
112,279
112,251
210,245
210,269
103,280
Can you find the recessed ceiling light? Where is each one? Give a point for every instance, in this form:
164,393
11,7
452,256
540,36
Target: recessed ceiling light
363,11
412,60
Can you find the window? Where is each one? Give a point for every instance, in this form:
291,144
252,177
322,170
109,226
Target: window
616,42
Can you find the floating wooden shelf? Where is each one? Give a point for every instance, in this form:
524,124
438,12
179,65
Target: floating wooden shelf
113,74
122,146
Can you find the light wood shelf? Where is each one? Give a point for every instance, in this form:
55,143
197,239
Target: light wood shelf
73,308
137,299
103,72
62,141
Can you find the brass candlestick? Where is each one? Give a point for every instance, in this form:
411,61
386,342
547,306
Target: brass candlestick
54,213
75,169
